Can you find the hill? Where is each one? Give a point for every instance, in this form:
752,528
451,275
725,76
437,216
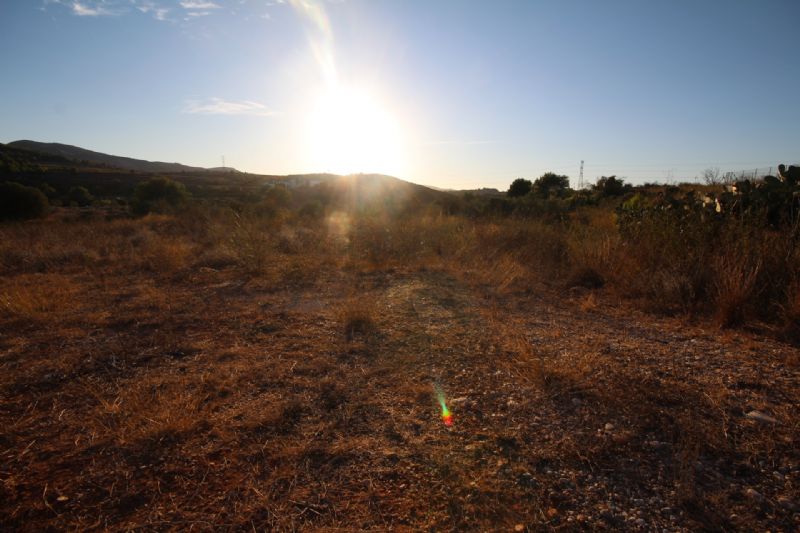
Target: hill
358,191
107,176
127,163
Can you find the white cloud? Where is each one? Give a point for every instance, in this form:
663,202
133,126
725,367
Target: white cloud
93,10
145,6
198,4
197,14
218,106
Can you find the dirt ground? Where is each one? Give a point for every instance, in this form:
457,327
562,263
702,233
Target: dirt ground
207,400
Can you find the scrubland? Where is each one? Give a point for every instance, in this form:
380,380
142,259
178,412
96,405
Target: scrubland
270,368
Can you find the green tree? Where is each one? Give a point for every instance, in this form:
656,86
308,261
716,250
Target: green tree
159,194
610,186
519,187
550,184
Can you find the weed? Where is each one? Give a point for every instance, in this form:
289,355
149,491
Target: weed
357,315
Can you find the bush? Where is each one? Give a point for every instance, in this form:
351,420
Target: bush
80,196
18,202
159,194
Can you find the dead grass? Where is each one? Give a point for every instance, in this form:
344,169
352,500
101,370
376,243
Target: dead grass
182,375
791,314
358,317
39,297
736,283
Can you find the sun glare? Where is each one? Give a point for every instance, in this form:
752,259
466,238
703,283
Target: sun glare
350,131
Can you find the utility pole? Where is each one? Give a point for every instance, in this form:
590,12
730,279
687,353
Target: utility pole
580,179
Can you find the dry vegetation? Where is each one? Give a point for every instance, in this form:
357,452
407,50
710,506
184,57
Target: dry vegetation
275,370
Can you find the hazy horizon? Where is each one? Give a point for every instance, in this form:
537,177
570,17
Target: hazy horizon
451,94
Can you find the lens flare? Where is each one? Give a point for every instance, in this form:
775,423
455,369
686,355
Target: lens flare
447,416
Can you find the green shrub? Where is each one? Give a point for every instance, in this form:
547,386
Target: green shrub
159,194
80,196
18,202
47,190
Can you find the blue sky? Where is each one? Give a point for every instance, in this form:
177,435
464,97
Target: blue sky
447,93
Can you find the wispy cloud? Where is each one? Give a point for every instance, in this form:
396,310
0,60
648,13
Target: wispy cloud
101,8
198,4
218,106
148,7
96,9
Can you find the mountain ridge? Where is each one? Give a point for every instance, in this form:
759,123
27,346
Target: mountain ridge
126,163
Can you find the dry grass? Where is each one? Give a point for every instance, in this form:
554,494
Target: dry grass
39,297
259,373
358,317
736,283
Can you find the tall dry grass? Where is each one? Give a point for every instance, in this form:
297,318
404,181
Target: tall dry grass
674,264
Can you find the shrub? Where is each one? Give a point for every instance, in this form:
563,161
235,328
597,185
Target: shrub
158,195
312,210
47,190
80,196
18,202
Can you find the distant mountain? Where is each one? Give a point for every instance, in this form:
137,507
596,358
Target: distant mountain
127,163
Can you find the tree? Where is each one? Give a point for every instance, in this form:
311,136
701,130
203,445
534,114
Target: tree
550,184
712,176
609,186
159,194
18,202
519,187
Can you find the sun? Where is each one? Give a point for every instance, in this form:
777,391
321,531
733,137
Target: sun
351,131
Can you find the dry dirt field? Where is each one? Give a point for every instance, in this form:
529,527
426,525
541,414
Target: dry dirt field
149,381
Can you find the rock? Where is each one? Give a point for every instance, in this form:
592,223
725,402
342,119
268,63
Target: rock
456,401
761,417
551,512
609,426
519,527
